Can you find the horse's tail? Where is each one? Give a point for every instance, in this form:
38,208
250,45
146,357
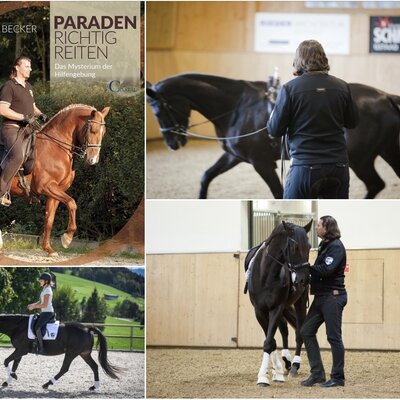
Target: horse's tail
108,368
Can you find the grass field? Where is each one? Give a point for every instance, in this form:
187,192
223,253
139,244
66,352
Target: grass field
84,288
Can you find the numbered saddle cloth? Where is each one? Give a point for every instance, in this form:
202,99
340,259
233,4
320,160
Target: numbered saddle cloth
51,330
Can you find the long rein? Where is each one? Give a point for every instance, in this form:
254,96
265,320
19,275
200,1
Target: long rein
180,130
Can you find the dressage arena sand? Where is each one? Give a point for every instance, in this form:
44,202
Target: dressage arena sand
176,175
188,373
34,371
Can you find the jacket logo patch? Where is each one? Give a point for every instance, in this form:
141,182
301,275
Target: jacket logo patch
328,260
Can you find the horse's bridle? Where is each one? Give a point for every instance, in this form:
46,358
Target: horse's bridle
88,145
287,258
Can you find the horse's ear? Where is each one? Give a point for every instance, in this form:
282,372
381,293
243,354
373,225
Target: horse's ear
308,226
287,228
150,91
105,111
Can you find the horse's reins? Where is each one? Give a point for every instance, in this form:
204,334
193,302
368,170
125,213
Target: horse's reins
71,147
179,129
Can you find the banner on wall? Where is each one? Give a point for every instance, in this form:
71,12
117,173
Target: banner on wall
384,35
282,33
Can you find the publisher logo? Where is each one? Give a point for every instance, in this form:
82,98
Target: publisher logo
122,89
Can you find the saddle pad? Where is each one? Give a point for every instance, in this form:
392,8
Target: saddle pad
51,330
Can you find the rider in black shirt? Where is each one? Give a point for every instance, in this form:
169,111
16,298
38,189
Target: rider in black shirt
330,297
312,110
17,107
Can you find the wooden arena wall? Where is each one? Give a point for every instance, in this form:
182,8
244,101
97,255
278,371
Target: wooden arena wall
198,300
217,38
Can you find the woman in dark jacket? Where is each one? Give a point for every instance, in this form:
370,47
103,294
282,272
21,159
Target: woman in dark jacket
330,297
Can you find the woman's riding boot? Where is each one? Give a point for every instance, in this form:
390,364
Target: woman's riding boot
39,342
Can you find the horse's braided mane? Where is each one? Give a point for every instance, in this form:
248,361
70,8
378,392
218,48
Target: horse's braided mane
67,108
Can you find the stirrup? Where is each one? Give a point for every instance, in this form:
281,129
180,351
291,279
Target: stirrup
5,200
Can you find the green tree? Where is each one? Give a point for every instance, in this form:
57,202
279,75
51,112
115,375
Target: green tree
26,287
95,309
127,309
7,293
66,305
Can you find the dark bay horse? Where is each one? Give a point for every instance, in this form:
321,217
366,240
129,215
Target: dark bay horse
73,340
76,129
238,107
277,273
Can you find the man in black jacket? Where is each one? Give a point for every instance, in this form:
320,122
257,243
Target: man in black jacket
330,297
312,110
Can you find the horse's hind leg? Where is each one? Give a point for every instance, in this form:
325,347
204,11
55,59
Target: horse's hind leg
64,368
223,164
95,368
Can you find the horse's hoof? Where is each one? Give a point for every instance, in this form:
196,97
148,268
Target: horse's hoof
53,254
5,384
293,373
92,388
262,384
46,385
65,241
14,375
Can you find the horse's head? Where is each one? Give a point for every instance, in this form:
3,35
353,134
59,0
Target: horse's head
297,250
94,131
172,112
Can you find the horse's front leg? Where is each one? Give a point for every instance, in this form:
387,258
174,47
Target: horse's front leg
301,311
56,195
275,318
16,357
223,164
51,208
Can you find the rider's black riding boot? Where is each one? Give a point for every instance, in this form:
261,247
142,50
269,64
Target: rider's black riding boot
39,342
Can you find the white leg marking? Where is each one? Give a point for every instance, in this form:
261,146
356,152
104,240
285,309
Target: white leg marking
53,380
263,372
97,384
286,353
296,359
277,372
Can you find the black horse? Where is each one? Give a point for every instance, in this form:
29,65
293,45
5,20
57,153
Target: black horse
73,339
239,107
277,280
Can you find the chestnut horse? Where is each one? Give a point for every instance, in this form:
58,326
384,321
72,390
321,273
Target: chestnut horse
75,130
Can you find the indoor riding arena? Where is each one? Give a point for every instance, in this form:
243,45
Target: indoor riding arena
228,39
203,339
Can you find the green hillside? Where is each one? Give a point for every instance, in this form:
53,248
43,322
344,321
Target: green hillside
84,288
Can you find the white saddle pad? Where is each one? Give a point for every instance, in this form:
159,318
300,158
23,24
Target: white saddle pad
51,330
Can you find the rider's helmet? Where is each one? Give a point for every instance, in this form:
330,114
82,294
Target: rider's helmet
46,277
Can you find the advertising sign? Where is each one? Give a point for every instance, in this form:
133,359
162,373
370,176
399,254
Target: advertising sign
384,35
282,33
